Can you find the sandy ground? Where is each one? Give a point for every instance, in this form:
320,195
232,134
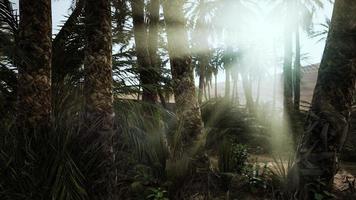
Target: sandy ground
344,180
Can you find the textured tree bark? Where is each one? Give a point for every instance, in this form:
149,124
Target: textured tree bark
98,92
146,70
34,78
328,120
296,73
190,126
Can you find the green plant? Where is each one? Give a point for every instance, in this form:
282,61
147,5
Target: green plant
232,157
157,194
279,181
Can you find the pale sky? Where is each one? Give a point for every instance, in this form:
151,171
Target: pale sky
60,9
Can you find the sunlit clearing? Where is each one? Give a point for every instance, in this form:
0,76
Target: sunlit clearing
251,39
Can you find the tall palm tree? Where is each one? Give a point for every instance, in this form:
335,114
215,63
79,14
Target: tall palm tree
34,45
328,121
199,15
298,14
303,17
98,91
187,108
146,69
153,35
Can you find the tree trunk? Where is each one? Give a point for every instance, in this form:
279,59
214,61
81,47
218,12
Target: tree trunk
328,120
297,71
98,93
258,91
146,70
201,80
227,83
189,129
209,87
34,78
287,73
216,85
246,84
206,85
153,35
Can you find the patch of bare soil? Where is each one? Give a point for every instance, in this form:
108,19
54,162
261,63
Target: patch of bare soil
344,181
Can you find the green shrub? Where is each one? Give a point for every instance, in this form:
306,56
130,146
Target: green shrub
232,157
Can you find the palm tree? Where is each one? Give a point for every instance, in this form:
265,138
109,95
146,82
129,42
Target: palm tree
228,62
34,45
153,35
328,121
298,14
146,70
303,12
187,108
98,91
199,15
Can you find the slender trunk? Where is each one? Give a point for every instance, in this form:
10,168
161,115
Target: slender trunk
328,121
274,78
146,71
162,99
201,81
153,47
209,87
98,93
216,85
189,129
206,85
297,71
34,78
258,91
235,97
287,74
227,83
246,84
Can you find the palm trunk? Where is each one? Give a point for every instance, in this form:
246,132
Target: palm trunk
328,121
189,129
206,85
98,93
258,91
201,81
246,84
34,78
209,87
146,71
297,71
235,95
216,85
153,47
287,74
227,83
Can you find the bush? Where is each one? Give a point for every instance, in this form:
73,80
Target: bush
232,157
224,120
